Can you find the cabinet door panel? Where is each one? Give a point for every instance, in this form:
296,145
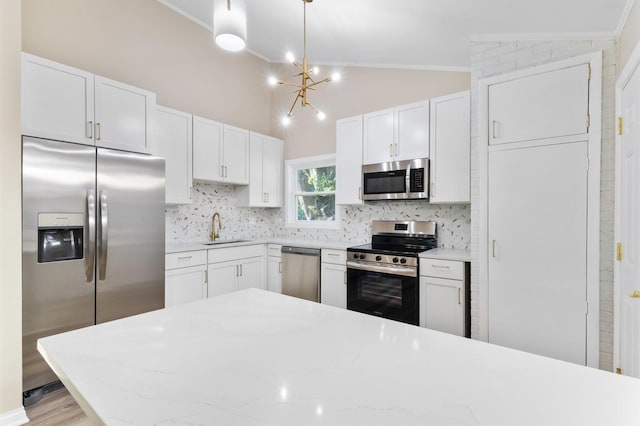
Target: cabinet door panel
174,142
442,305
450,149
333,288
537,283
412,131
272,173
235,153
378,137
184,285
122,113
274,274
349,160
207,150
57,101
222,278
541,106
251,273
256,153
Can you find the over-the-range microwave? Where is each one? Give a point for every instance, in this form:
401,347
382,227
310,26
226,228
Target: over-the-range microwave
396,180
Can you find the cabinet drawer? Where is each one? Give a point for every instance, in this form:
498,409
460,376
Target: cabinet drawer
185,259
274,250
442,268
235,253
334,256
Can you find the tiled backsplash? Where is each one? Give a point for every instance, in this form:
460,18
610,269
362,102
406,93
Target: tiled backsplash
192,222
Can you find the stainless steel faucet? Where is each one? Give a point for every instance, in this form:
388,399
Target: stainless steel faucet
215,235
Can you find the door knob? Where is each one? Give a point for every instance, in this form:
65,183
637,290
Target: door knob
635,294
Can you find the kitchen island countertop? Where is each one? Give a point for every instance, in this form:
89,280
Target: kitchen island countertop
259,358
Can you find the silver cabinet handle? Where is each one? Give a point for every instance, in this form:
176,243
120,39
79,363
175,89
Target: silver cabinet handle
241,269
104,235
89,248
280,267
441,266
493,248
221,171
459,296
185,257
225,172
391,150
345,277
360,193
493,129
433,189
90,130
237,270
98,132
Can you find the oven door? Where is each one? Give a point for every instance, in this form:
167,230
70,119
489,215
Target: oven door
383,293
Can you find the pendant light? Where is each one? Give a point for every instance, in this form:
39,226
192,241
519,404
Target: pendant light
230,24
307,80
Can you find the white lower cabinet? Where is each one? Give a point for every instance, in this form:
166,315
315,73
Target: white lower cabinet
274,268
185,277
333,278
235,268
443,296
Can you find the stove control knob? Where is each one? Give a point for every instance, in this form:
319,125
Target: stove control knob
378,258
355,255
362,256
395,260
403,260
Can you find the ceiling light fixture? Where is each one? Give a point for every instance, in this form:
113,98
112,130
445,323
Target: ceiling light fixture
230,25
308,82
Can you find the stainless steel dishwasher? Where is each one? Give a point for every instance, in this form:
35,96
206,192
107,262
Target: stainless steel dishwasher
301,272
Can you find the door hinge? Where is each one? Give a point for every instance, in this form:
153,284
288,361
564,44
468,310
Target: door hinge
618,370
589,72
619,125
619,252
588,121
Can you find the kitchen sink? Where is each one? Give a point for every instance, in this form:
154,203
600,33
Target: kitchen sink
218,242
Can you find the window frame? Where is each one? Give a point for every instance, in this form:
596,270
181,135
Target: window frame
291,169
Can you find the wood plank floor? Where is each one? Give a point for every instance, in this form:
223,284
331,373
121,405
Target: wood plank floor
57,408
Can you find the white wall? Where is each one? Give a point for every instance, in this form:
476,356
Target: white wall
493,58
629,36
10,211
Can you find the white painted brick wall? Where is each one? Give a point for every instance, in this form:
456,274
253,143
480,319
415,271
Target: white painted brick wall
493,58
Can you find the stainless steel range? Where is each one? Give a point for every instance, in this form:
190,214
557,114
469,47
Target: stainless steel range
383,277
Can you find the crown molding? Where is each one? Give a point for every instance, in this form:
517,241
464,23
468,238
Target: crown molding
543,36
624,17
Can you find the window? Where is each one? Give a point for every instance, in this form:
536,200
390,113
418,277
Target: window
311,192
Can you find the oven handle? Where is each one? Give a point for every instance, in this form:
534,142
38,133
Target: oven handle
405,271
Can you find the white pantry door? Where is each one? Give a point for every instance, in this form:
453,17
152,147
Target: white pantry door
629,228
538,250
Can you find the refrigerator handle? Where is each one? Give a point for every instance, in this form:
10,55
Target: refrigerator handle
90,244
104,236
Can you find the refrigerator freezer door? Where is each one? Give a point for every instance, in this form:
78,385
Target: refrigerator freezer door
130,234
58,179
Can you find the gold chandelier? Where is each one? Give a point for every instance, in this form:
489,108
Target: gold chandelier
306,75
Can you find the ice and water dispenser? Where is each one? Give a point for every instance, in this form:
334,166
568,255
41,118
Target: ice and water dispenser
60,236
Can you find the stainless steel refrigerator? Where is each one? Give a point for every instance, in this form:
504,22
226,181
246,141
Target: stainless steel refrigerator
93,241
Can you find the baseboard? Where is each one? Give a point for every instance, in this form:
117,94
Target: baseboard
15,417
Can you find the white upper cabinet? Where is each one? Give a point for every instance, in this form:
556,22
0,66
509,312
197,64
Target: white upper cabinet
64,103
124,116
235,154
173,141
540,106
401,133
349,160
220,152
57,101
265,176
450,149
207,150
411,131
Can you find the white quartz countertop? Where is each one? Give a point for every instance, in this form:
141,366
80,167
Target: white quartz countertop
191,246
447,254
260,358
